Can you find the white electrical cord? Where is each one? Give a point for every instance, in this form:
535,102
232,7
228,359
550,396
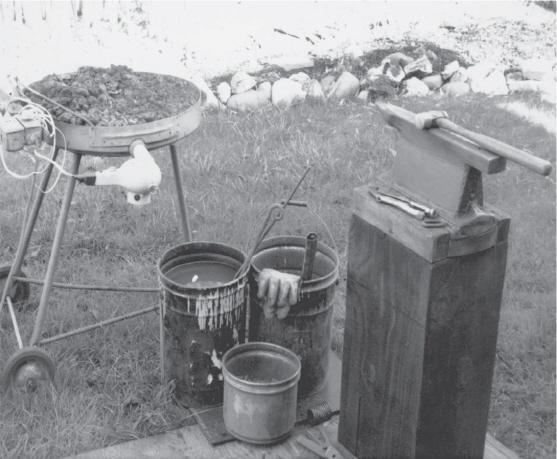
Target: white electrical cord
47,124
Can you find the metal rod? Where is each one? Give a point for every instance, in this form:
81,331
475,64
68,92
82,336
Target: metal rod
180,192
14,321
162,312
88,287
264,231
28,227
57,243
309,257
98,325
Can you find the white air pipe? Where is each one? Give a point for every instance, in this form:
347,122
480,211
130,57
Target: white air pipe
140,176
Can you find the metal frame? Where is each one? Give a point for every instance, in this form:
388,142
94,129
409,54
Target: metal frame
48,283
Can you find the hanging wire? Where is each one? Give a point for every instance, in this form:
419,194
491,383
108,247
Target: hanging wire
43,116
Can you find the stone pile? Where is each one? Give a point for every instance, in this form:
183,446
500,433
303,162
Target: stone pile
397,74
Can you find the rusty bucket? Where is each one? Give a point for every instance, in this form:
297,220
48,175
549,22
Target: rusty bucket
306,330
260,392
203,315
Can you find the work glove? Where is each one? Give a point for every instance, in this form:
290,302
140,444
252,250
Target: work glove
280,290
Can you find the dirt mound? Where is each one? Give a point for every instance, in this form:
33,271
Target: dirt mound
114,96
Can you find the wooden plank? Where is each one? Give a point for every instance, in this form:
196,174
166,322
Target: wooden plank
447,310
431,244
496,450
189,443
459,355
386,312
442,142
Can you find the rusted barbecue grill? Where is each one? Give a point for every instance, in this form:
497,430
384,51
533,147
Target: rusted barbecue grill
31,364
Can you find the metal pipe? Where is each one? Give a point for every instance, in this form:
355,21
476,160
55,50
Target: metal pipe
28,227
161,340
309,257
14,322
180,192
57,243
88,287
98,325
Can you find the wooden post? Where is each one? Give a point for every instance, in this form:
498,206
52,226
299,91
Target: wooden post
420,337
422,303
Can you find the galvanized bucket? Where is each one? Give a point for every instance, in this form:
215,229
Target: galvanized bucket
260,392
307,328
200,318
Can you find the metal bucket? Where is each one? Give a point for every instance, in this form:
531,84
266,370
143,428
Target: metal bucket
260,392
306,330
200,320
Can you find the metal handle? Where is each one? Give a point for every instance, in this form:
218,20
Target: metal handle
309,257
402,206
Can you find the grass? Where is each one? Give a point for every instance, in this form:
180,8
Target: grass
233,167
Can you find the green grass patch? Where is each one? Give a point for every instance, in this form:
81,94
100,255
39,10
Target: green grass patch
234,166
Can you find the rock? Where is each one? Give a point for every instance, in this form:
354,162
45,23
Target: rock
478,71
346,87
450,69
208,99
460,75
376,71
293,62
286,92
427,53
458,88
266,88
395,73
433,82
495,84
248,101
242,82
537,69
380,87
327,83
420,67
514,76
398,59
302,78
363,95
224,92
415,87
315,91
523,85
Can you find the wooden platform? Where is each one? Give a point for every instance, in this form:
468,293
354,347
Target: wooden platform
190,443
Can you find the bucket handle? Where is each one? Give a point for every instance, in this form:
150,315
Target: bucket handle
305,204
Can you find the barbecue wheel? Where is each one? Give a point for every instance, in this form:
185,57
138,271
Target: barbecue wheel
19,291
28,369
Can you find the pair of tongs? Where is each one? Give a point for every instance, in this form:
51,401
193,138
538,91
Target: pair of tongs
427,215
